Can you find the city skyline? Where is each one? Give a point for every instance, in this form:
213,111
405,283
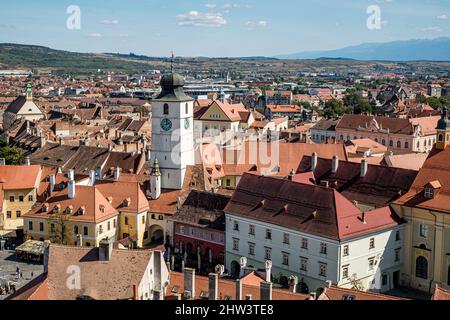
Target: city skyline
218,28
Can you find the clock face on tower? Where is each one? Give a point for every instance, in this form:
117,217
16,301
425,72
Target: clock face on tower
166,124
187,123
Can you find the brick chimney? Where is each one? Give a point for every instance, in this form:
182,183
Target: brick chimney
238,289
105,250
364,168
213,286
189,281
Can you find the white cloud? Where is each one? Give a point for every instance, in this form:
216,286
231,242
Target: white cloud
199,19
113,22
433,29
95,35
211,5
442,17
256,24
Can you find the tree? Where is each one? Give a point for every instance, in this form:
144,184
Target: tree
11,155
357,103
356,284
305,104
333,109
61,232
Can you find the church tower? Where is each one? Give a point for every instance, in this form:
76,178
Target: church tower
172,131
443,131
29,92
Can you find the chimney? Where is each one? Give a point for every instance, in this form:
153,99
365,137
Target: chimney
328,284
243,263
135,292
71,174
99,173
293,282
213,286
334,164
266,291
27,161
79,240
314,162
189,282
116,173
52,183
363,218
364,168
71,189
110,148
268,266
238,289
92,177
312,296
148,155
2,161
105,250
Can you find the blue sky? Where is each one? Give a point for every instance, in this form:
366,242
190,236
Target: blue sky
218,28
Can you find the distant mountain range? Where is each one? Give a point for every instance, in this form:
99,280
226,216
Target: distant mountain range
409,50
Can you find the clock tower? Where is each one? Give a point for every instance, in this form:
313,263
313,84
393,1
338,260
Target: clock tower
172,131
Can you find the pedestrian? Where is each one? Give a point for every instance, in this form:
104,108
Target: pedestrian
21,275
32,274
13,288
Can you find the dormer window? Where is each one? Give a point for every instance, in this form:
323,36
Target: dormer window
431,189
429,193
81,211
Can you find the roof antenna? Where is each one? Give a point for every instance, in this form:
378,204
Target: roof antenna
171,62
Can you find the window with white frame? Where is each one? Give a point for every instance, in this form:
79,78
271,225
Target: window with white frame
303,264
397,235
251,229
285,238
305,243
323,248
285,258
345,272
251,249
346,250
423,230
428,193
181,229
236,226
267,253
235,244
268,234
371,263
322,269
372,243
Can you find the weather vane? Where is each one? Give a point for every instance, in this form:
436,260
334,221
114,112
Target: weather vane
171,62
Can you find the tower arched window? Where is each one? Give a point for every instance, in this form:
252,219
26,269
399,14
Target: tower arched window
399,144
187,108
422,268
391,143
440,137
166,109
406,145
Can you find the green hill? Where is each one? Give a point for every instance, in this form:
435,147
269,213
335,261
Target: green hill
16,56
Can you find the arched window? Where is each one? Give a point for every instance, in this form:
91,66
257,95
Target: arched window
376,140
440,137
383,142
429,142
406,145
399,144
342,137
418,144
166,109
422,268
391,143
